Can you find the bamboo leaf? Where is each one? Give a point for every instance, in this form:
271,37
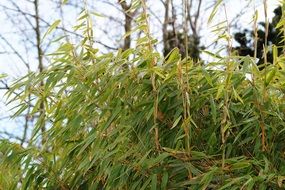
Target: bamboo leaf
51,28
153,182
164,180
214,11
176,122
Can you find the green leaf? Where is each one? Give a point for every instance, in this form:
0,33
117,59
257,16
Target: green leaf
115,113
153,182
164,180
240,165
232,182
173,56
269,76
214,11
2,75
51,28
213,109
249,184
158,159
98,14
145,184
22,108
207,178
176,122
220,91
207,76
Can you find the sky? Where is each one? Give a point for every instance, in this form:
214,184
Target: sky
11,65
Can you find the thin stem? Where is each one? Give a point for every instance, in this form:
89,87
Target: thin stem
40,63
153,78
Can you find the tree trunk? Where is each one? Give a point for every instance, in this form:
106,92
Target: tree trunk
127,24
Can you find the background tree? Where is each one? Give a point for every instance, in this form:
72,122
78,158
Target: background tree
174,33
246,39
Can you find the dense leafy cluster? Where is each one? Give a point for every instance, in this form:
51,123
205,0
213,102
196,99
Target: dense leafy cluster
135,120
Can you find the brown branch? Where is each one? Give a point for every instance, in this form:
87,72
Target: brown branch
18,10
127,24
15,51
197,13
10,135
173,24
165,24
25,14
194,22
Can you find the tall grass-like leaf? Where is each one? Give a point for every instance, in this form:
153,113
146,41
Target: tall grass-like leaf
215,10
51,28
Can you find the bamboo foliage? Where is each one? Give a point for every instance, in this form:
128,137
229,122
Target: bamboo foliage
159,123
